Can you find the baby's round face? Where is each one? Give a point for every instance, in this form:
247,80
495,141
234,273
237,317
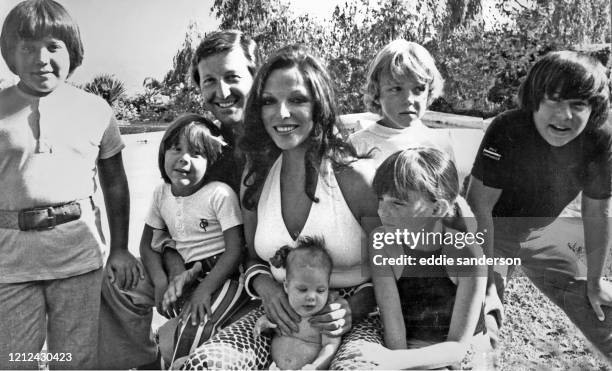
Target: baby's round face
307,289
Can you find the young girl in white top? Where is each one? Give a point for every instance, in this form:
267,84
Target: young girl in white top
195,212
202,214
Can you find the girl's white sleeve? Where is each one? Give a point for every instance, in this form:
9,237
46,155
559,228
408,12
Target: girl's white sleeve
227,207
154,217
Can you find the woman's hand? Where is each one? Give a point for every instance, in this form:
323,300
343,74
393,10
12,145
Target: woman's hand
276,305
335,319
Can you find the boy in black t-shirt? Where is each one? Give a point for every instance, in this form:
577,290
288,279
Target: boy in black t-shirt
531,164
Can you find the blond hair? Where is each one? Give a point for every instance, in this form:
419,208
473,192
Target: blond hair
398,60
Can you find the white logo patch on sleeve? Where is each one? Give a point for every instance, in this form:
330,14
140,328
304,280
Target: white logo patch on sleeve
491,153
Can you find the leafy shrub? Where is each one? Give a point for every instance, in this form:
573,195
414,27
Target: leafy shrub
125,110
552,25
106,86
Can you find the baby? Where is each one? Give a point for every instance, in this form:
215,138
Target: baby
308,267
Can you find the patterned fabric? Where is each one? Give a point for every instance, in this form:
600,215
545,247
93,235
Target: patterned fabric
229,298
369,330
125,321
235,347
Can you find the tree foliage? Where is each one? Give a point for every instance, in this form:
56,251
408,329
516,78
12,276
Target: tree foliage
106,86
483,57
538,29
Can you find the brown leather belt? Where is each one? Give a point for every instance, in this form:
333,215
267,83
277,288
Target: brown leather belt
42,218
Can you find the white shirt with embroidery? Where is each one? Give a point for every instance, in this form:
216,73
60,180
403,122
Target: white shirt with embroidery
196,222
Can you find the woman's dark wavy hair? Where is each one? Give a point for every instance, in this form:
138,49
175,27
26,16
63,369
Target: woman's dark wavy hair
37,19
204,137
568,75
323,141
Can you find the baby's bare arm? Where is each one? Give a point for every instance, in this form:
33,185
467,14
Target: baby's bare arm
329,347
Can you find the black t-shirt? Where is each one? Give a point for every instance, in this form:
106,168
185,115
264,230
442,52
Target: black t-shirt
537,179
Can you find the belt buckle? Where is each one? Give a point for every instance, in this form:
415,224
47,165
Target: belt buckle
50,220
